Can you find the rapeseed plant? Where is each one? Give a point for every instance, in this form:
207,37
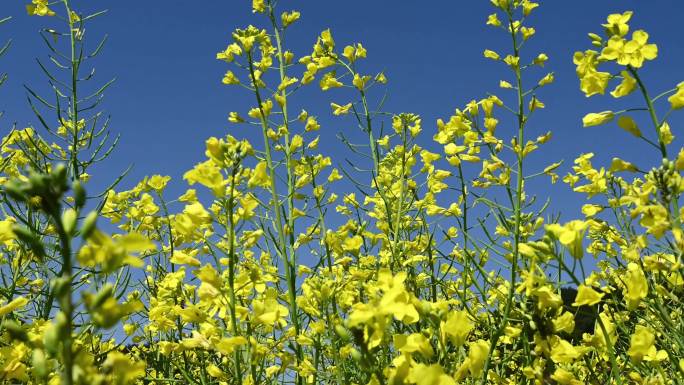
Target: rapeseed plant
245,278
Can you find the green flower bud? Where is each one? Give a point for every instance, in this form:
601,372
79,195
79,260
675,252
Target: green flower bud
342,332
16,190
79,194
60,286
69,219
54,334
356,355
40,364
38,183
89,225
15,330
102,296
26,236
59,175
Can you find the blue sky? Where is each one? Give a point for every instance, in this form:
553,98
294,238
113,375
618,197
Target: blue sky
168,97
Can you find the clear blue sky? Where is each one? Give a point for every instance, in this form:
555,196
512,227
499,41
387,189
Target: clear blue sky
169,98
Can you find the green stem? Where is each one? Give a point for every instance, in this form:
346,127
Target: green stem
651,110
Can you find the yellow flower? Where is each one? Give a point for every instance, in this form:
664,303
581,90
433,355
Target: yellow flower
626,87
528,6
617,23
269,312
457,327
590,210
639,50
353,245
592,82
642,346
234,117
39,8
633,52
6,233
677,100
548,79
360,81
340,110
564,323
422,374
489,54
570,235
228,55
636,286
493,20
208,175
620,165
512,61
289,17
615,50
628,124
112,253
260,176
414,343
665,133
258,6
563,352
329,81
597,119
477,355
182,258
586,296
540,59
158,182
311,124
527,32
13,305
563,377
229,78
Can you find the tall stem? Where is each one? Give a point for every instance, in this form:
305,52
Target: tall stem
651,110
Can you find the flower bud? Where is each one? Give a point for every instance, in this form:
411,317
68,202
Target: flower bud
89,225
38,182
30,239
69,219
342,332
40,365
59,286
15,330
355,355
59,174
79,194
102,296
16,190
